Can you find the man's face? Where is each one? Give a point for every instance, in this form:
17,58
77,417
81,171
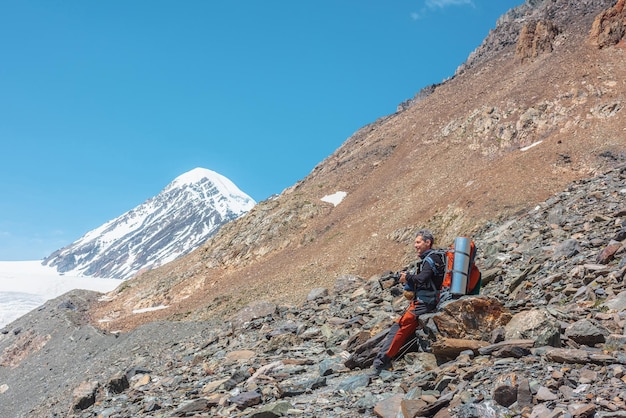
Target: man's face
421,245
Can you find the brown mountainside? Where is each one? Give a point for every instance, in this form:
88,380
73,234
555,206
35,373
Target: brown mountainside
539,104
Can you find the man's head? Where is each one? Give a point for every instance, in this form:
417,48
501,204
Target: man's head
424,240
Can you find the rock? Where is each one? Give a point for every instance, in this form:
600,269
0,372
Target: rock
505,390
412,407
236,378
544,394
567,249
388,407
253,311
536,39
192,407
355,382
240,355
618,303
450,348
550,335
296,388
608,27
528,324
608,253
347,284
524,395
561,355
214,385
118,383
274,410
246,399
471,317
330,366
506,345
140,380
85,395
586,332
318,293
583,411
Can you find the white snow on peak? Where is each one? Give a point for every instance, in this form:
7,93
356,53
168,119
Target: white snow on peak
195,176
223,184
335,198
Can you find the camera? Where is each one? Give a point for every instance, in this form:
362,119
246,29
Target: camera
385,278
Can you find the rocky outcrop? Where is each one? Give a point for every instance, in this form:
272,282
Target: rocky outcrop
609,28
531,28
535,39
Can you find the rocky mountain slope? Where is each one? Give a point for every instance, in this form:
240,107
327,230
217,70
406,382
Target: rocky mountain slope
545,339
538,105
182,216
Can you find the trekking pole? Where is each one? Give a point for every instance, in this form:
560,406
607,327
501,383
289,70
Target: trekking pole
405,348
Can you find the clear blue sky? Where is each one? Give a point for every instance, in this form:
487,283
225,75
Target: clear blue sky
103,103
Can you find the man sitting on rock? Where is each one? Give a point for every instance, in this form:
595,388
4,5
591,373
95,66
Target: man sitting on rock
421,287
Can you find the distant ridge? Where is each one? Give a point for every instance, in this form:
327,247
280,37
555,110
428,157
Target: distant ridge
181,217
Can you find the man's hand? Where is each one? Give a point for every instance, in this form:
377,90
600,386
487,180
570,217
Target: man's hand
403,277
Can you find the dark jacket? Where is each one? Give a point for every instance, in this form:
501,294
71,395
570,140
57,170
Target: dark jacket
427,278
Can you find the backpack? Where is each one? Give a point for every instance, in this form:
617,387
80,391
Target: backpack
461,275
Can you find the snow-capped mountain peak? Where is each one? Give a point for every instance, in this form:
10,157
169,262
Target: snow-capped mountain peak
181,217
224,185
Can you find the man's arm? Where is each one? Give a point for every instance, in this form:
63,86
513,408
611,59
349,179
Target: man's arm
421,280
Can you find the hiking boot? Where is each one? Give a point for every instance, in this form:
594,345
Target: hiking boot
381,363
377,371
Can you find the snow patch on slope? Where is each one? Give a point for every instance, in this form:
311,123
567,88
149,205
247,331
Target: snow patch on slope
335,198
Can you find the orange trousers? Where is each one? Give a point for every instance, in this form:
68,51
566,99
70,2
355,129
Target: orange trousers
403,329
